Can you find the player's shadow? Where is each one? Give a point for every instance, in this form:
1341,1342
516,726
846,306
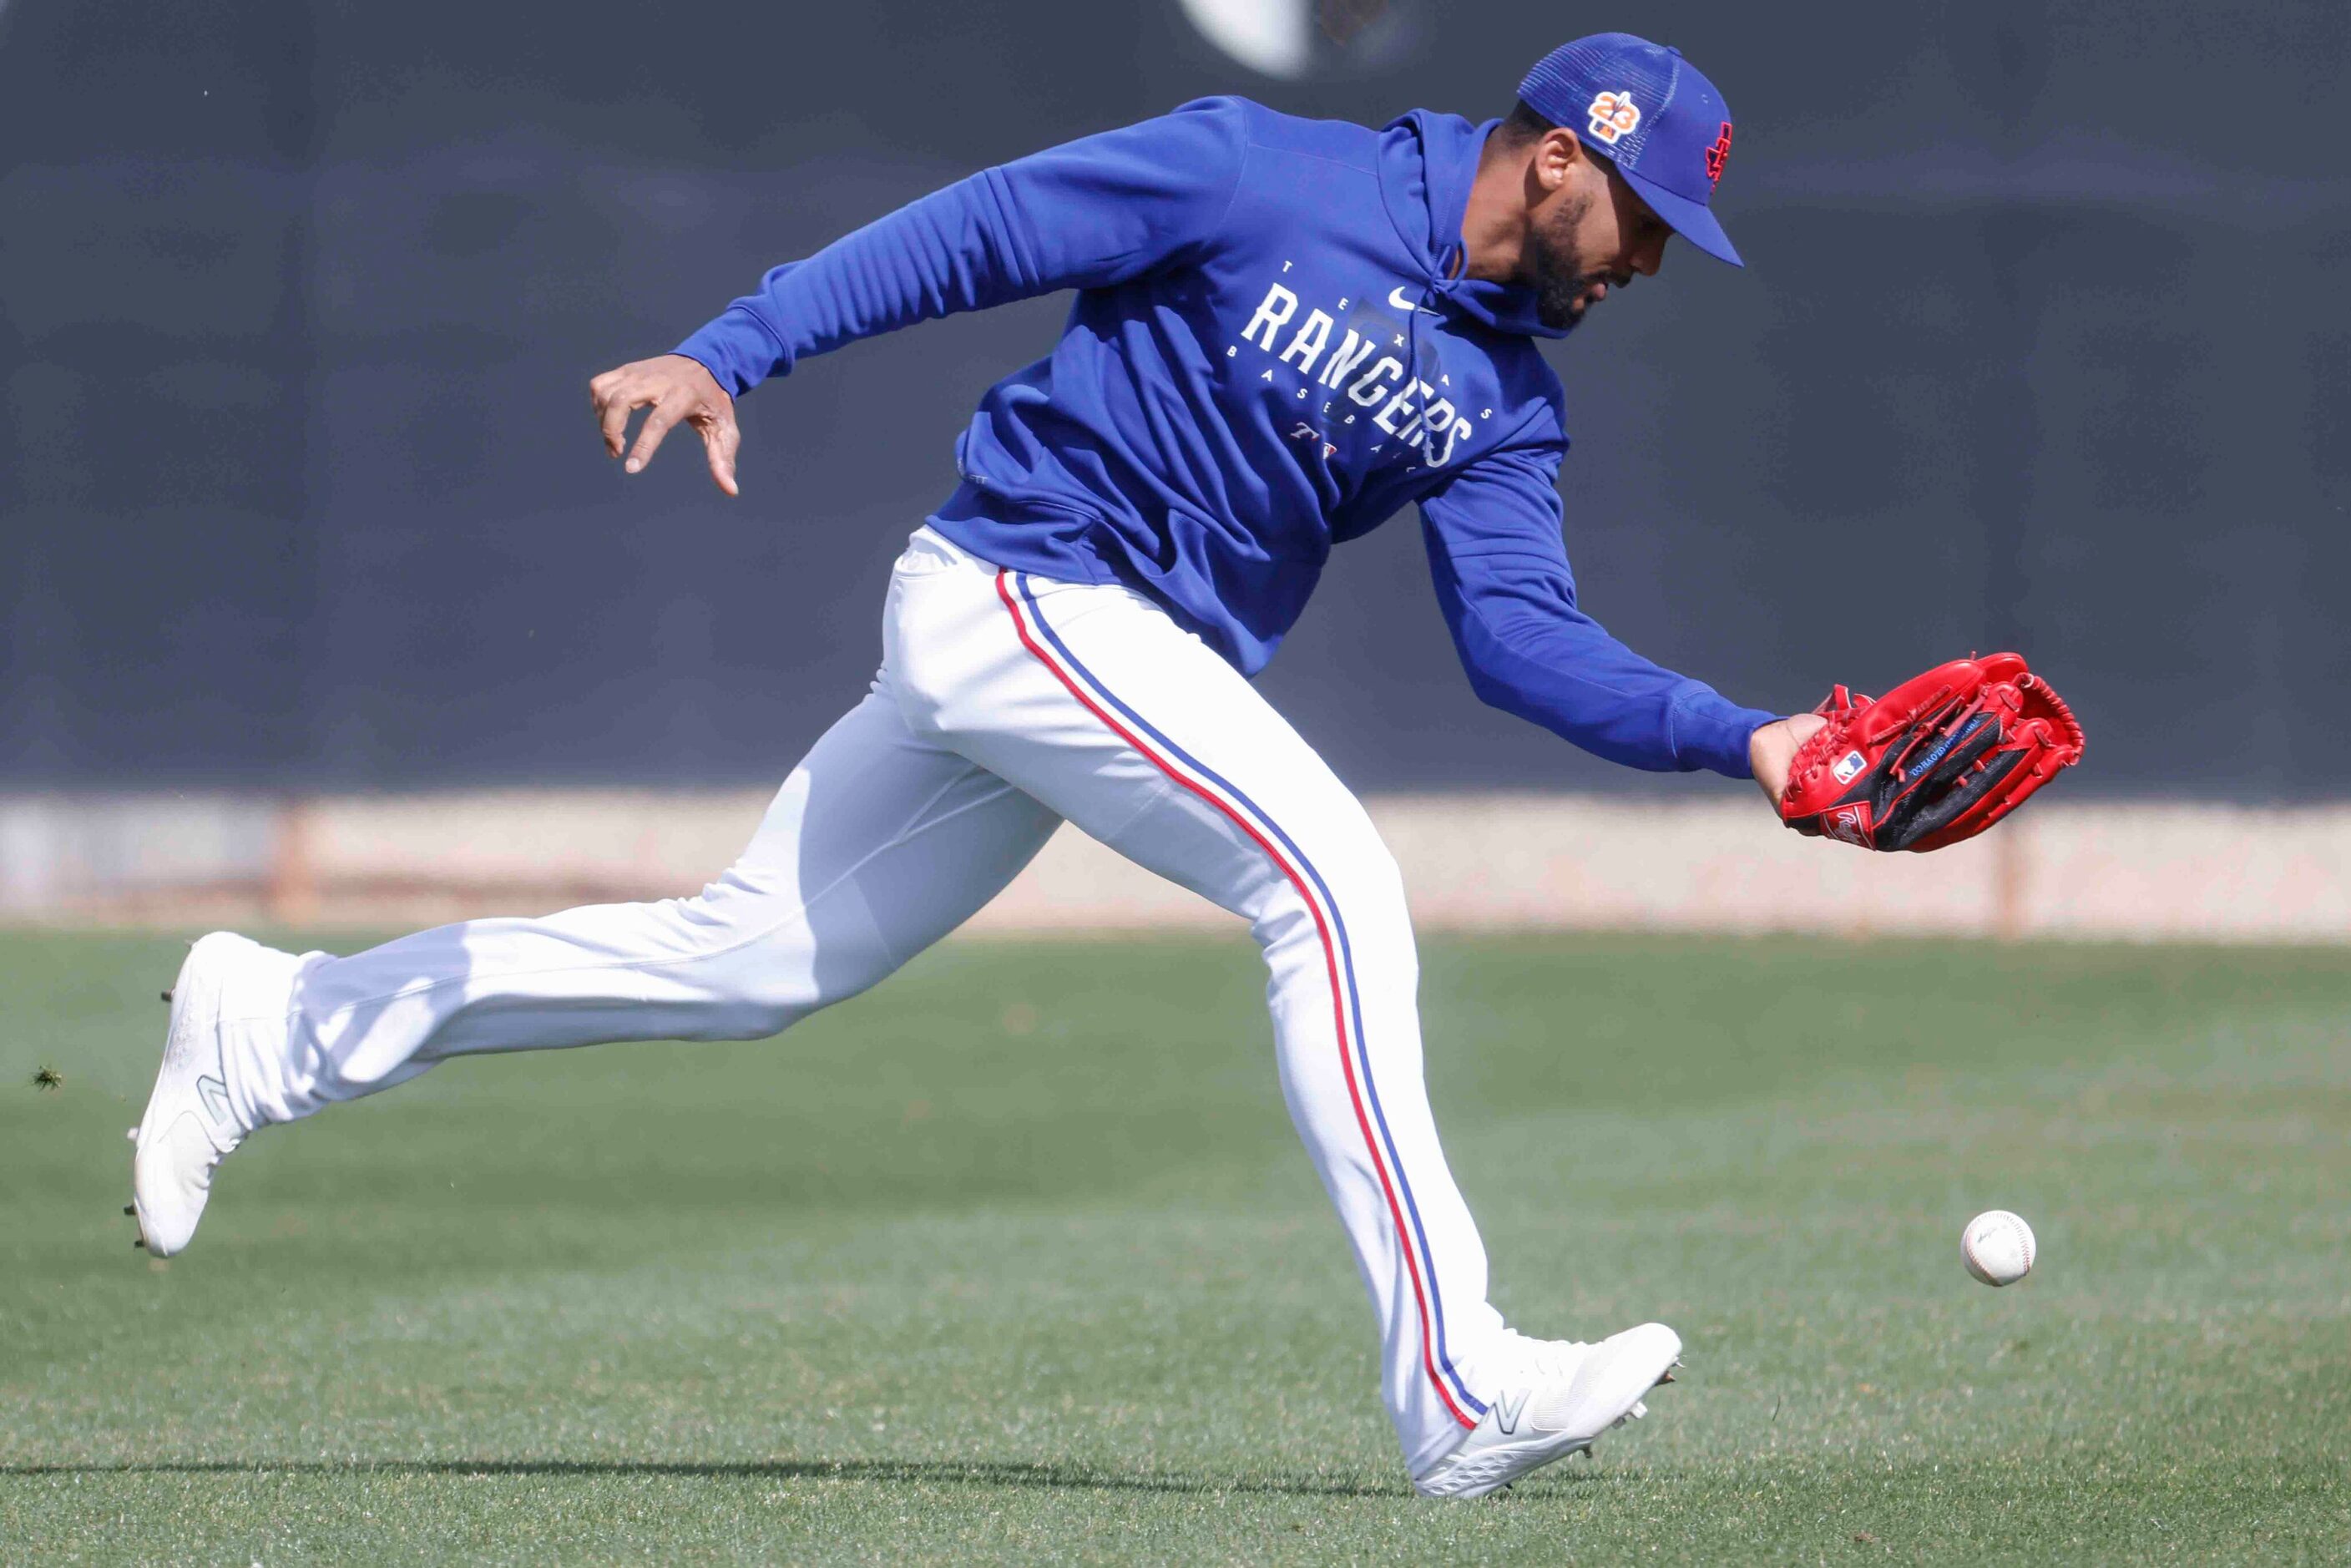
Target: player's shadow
1005,1474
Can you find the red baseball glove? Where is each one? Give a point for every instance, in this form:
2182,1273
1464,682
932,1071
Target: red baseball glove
1939,758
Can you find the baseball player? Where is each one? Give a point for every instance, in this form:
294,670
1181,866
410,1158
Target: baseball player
1284,332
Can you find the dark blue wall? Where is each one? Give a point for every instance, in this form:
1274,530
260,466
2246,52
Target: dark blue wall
2044,342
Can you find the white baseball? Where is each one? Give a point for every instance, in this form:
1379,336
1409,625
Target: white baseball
1997,1247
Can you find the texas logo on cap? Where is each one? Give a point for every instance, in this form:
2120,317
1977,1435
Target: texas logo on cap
1718,154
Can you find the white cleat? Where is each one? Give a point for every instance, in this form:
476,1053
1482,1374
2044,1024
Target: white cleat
1563,1395
190,1125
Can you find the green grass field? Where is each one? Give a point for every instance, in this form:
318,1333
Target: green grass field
1017,1258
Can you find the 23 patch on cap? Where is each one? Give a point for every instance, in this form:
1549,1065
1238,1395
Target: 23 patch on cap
1613,114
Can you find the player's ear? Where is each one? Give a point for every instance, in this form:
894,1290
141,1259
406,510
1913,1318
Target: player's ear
1557,152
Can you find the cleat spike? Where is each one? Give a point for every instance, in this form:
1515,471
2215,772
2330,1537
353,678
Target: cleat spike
129,1208
131,1133
167,995
1663,1379
138,1243
1639,1410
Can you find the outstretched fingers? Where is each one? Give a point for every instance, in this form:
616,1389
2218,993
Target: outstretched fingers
672,388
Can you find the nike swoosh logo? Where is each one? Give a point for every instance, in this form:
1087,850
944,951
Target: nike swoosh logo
214,1094
1396,298
1507,1411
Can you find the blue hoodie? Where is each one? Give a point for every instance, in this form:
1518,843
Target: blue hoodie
1271,351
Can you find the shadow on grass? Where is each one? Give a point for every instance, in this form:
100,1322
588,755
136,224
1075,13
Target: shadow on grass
987,1474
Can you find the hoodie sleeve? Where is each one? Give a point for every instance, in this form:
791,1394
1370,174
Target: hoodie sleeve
1088,213
1502,580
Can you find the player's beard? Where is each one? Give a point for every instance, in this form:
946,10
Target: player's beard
1561,276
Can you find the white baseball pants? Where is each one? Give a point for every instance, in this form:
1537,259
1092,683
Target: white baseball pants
1005,704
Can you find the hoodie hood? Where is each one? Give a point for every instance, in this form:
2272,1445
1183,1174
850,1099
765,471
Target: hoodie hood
1427,161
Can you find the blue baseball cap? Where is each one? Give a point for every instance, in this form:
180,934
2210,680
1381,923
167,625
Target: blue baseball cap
1650,113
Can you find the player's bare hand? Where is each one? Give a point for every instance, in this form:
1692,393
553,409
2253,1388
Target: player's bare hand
674,390
1772,748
